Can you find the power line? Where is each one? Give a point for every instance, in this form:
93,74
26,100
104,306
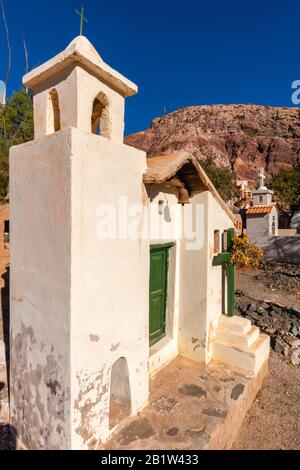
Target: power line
7,41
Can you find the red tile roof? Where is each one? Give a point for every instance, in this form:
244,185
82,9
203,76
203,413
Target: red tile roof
260,210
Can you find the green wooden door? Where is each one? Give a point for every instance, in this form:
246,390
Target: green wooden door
158,292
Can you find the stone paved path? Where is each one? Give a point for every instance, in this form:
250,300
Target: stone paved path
192,406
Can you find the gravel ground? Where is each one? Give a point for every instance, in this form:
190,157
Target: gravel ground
273,421
279,276
259,284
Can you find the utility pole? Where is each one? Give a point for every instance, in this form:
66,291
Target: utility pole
26,59
7,41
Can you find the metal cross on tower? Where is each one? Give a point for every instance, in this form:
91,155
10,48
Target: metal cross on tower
82,19
262,178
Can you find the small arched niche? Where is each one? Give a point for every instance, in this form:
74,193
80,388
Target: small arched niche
100,116
120,396
53,124
216,242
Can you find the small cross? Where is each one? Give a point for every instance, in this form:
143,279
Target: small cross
262,177
82,19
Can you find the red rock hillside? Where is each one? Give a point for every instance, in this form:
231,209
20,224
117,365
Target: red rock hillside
241,137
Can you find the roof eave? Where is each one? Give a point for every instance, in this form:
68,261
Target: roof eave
183,158
74,56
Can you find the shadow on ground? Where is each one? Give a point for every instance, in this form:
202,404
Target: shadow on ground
7,437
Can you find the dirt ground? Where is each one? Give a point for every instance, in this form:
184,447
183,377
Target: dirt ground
273,421
281,293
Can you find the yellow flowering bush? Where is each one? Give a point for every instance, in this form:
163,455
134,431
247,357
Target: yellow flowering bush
245,254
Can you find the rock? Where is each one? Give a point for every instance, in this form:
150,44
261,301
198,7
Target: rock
254,316
164,404
244,307
265,305
274,320
286,325
192,390
239,292
215,412
237,390
294,331
280,332
261,310
140,428
294,312
295,344
270,330
276,308
289,340
262,324
173,432
280,347
252,307
232,133
295,359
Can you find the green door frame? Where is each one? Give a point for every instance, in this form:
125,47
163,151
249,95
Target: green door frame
156,248
224,259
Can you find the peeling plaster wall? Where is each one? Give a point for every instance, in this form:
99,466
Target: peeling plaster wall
110,285
40,234
217,220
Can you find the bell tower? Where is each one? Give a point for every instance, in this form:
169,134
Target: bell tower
77,89
79,323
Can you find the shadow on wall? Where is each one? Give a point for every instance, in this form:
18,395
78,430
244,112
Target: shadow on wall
5,316
282,249
8,434
120,393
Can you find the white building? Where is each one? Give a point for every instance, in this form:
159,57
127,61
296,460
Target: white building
262,217
109,282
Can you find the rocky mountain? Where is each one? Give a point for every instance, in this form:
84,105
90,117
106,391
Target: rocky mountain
241,137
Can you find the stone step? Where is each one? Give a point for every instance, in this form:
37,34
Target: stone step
234,324
238,339
247,358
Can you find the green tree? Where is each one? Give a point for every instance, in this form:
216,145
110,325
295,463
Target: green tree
286,186
222,178
16,127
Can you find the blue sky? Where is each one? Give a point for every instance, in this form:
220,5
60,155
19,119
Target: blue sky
180,53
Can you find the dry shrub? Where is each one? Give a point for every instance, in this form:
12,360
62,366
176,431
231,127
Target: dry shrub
245,254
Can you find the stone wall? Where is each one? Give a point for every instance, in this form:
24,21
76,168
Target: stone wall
282,324
282,249
295,223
